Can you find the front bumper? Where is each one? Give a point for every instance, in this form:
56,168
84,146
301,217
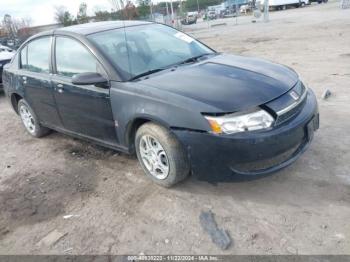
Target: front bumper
244,156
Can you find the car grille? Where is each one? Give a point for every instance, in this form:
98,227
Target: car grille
290,113
258,166
293,109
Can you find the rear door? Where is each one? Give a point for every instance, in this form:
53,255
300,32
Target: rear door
34,76
85,109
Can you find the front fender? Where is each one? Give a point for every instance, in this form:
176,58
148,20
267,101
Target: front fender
131,101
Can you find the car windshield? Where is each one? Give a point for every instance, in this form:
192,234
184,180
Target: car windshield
138,50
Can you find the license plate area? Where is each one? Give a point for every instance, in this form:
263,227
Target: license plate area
310,128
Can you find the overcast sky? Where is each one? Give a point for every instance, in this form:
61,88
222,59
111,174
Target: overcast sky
42,11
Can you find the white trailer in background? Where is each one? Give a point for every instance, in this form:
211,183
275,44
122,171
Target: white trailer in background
282,4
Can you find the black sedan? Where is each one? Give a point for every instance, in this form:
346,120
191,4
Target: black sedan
181,106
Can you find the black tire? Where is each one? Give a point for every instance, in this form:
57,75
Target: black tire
178,164
38,130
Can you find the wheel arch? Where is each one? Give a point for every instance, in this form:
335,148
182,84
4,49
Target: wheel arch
134,124
15,98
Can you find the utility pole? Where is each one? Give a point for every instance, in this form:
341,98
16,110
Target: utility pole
150,7
237,11
172,13
167,8
266,10
198,6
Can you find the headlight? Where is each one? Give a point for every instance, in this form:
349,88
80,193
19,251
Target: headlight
240,122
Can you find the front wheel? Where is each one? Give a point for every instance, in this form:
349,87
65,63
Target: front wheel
161,155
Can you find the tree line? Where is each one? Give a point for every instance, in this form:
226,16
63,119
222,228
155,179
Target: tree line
130,11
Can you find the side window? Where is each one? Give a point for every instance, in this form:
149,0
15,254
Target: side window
73,58
35,56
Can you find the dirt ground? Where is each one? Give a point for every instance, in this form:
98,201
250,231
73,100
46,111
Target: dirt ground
304,209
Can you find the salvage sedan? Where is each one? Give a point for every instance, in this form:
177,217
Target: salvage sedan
181,106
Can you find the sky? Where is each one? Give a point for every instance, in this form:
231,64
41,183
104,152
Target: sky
42,12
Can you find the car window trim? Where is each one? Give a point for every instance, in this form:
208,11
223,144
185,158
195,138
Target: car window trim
20,56
26,47
53,56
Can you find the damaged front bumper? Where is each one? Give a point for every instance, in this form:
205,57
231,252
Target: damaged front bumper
244,156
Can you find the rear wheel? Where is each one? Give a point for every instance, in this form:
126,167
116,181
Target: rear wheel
30,120
161,155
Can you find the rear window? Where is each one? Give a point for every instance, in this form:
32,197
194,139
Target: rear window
35,57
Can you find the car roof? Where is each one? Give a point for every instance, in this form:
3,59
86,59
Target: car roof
90,28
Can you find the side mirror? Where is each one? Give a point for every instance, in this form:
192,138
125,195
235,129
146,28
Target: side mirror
90,79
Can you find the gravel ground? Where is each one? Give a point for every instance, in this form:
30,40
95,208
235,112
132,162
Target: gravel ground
304,209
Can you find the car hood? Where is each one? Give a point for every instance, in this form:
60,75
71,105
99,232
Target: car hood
227,83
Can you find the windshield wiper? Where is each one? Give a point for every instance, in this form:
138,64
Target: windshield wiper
193,59
146,73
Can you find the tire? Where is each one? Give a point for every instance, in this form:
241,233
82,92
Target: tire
30,121
157,147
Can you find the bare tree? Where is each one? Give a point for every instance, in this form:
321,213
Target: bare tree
82,14
60,13
63,16
9,26
117,4
26,22
16,28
